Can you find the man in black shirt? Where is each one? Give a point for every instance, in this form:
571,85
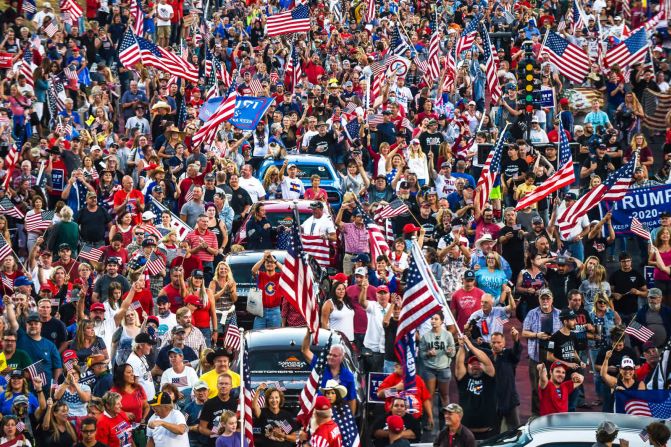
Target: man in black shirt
511,238
429,223
563,279
628,286
431,139
93,220
477,390
323,143
214,408
88,430
505,362
562,347
598,164
241,202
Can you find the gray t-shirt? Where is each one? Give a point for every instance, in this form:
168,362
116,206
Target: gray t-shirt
101,287
656,325
443,343
192,210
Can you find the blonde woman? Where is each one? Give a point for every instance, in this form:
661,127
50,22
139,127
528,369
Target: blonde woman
56,425
4,228
225,291
595,283
271,183
639,143
122,340
418,162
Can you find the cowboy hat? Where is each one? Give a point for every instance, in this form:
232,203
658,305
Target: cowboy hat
485,238
160,105
334,385
173,129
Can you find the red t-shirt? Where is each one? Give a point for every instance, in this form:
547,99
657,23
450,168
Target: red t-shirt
464,304
116,431
174,297
135,198
554,399
269,286
418,398
109,252
327,435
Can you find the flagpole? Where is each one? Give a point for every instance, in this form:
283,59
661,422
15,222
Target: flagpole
623,333
652,61
242,387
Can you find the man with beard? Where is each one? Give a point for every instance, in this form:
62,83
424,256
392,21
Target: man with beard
505,362
477,389
628,287
429,223
562,349
101,287
103,326
177,336
166,319
656,317
554,392
16,358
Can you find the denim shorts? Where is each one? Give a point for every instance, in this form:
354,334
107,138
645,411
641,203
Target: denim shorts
441,375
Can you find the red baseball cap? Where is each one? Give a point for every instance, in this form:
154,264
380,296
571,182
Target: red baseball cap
473,359
340,277
99,307
557,365
69,355
395,423
192,299
322,403
382,288
409,228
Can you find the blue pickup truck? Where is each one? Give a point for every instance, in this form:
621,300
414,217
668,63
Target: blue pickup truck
309,165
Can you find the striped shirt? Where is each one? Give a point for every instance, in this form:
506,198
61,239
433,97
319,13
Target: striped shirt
356,239
193,239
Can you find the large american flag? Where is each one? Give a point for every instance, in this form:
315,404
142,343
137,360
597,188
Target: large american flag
434,55
576,18
27,66
8,208
246,415
614,188
638,331
631,50
398,44
370,11
490,171
39,221
223,113
376,238
317,247
91,253
638,229
465,41
129,51
655,105
308,395
138,17
294,70
297,281
162,59
296,20
5,248
570,59
10,164
491,66
564,176
73,9
176,223
420,299
396,208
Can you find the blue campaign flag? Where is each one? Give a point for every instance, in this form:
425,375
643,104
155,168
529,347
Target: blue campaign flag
405,351
651,403
248,110
645,204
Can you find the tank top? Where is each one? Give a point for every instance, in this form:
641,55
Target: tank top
126,234
201,316
342,320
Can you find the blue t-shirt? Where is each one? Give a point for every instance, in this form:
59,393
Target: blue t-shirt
43,350
6,404
345,378
491,282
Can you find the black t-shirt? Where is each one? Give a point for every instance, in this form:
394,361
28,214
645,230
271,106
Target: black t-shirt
93,224
240,200
560,285
410,424
213,409
563,348
429,224
477,396
596,247
55,331
268,421
513,169
580,331
623,282
431,142
322,145
513,249
601,165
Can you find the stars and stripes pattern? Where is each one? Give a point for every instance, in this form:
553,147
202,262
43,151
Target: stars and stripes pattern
348,428
294,71
570,59
352,129
246,418
50,29
223,113
370,11
491,66
376,238
419,299
155,264
5,248
72,8
176,223
639,229
467,38
576,19
37,370
28,67
396,208
656,106
434,55
256,86
651,24
297,280
638,331
232,338
613,188
308,395
561,178
91,253
7,283
317,247
154,56
29,8
631,50
180,381
638,407
10,164
490,171
39,221
501,320
398,44
138,17
8,208
129,51
296,20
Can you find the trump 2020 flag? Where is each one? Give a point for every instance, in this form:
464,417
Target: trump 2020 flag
651,403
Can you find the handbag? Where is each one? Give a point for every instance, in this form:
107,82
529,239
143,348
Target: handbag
255,302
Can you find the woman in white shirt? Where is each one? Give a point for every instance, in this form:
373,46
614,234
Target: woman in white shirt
338,312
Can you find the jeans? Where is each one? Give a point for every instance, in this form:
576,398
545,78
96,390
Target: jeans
533,380
208,271
207,333
576,249
272,318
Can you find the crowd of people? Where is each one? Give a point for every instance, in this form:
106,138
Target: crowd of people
116,227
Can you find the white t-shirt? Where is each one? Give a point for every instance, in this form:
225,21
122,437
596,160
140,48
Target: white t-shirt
143,374
374,338
165,324
292,188
163,13
580,225
254,187
318,227
164,437
185,379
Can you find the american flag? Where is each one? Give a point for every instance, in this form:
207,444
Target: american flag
656,106
155,264
56,97
638,407
138,17
576,18
490,171
375,118
296,20
256,86
370,11
465,41
27,67
135,305
294,70
72,8
51,28
348,429
396,208
422,63
222,73
318,248
352,129
72,76
232,338
129,51
638,331
626,10
309,392
20,425
224,112
5,248
398,44
176,223
501,320
376,238
209,63
638,229
151,229
404,348
450,69
29,8
297,280
10,164
559,179
90,253
491,66
37,370
64,128
154,56
631,50
434,55
7,283
335,6
8,208
180,381
644,435
570,59
246,419
419,299
614,188
274,77
39,221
